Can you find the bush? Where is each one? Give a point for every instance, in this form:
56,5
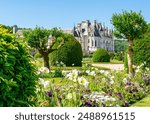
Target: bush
119,56
101,55
112,55
142,51
17,74
37,55
70,54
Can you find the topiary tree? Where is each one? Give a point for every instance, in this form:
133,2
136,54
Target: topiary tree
44,40
130,26
17,73
70,53
101,55
141,49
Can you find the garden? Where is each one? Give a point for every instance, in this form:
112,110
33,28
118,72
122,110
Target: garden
58,75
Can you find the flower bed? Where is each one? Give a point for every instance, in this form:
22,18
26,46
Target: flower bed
95,88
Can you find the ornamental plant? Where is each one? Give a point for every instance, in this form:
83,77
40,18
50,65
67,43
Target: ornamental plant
17,73
70,54
101,55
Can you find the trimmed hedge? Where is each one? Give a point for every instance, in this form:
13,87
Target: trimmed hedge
70,54
101,55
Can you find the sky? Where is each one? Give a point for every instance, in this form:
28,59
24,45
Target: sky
66,13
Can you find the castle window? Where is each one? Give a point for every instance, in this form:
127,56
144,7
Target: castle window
95,43
83,30
88,41
92,43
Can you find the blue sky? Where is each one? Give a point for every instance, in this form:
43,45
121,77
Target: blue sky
66,13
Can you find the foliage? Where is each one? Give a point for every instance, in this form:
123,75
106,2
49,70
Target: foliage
5,34
120,45
130,26
44,40
7,28
37,55
142,50
17,73
101,55
70,54
112,55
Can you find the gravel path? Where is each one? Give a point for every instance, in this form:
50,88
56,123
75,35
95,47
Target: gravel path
110,66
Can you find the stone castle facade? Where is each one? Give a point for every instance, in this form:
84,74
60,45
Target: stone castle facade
93,36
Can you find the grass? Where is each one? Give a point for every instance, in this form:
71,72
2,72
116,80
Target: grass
72,68
114,61
145,102
111,62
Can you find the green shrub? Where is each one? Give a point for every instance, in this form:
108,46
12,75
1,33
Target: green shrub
101,55
112,55
70,54
37,55
119,56
17,74
142,51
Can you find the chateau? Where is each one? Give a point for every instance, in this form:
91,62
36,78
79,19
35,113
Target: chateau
93,36
90,35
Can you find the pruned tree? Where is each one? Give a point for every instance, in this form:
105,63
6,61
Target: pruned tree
130,26
44,40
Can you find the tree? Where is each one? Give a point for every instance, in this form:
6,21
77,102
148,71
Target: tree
44,40
70,54
120,45
141,49
130,26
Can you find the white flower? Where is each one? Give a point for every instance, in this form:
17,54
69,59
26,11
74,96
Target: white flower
41,81
106,73
61,63
103,79
102,71
43,70
111,81
87,71
117,105
92,73
73,75
64,72
147,69
83,81
112,77
71,96
46,84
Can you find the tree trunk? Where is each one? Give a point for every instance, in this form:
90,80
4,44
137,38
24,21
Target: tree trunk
46,61
130,58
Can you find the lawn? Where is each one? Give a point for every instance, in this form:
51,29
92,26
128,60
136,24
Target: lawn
145,102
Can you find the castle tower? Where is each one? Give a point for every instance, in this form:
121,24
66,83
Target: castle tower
15,28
